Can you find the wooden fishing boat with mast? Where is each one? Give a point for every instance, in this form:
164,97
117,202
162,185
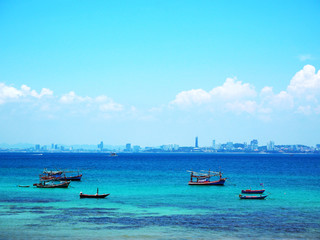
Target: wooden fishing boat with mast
97,195
203,178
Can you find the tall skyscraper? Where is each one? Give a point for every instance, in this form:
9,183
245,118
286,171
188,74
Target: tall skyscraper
196,143
214,144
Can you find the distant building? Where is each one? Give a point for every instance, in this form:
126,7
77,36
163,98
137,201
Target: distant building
270,146
196,143
214,144
239,146
128,147
170,147
229,146
136,148
254,145
176,147
37,147
100,146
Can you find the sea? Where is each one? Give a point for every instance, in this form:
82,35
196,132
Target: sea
150,197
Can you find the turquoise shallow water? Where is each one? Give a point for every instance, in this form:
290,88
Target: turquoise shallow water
150,198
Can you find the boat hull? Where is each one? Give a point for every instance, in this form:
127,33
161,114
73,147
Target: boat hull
249,191
252,197
219,182
60,185
94,195
71,178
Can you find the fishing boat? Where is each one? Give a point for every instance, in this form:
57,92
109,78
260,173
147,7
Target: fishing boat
113,154
60,176
50,175
203,178
50,184
249,191
51,172
252,197
97,195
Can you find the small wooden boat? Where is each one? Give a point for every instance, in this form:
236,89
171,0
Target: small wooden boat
93,195
203,179
23,185
97,195
44,184
252,197
253,191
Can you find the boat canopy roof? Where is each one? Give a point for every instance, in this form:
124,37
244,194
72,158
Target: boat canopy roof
204,174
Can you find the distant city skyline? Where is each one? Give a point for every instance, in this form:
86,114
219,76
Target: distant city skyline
228,147
159,72
254,143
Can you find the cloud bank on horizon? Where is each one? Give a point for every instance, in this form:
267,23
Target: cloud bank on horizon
302,96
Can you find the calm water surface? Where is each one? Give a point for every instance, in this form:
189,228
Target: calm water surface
150,197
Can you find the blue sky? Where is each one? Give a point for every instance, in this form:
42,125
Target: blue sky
159,72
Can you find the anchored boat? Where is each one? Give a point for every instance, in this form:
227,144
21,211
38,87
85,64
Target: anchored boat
249,191
203,178
50,184
252,197
97,195
60,175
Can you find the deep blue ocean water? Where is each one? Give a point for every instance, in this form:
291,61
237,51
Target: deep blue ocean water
150,197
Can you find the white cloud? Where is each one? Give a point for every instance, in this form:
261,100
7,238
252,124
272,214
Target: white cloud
305,83
9,93
194,96
234,95
104,103
45,92
71,97
111,106
301,96
45,102
282,100
234,90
